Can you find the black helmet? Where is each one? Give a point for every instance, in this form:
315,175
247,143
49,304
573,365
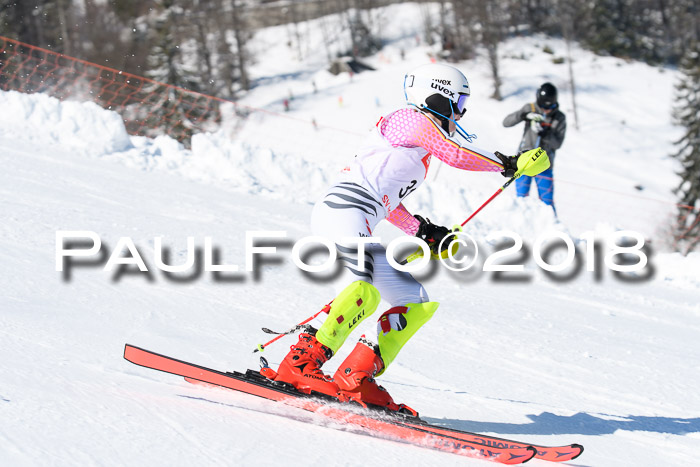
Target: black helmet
547,96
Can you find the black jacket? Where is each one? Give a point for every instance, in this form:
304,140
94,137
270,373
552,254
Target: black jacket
550,139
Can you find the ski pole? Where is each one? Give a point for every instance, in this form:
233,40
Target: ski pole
419,252
533,163
261,347
498,192
530,163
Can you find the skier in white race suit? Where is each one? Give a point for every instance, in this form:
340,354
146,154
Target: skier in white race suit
372,189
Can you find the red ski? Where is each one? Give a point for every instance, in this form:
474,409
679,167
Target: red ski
553,454
390,425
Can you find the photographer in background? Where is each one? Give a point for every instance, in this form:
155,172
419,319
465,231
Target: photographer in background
545,127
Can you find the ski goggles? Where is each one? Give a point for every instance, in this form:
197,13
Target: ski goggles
548,105
460,107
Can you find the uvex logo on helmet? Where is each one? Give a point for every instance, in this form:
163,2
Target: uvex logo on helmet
427,86
442,89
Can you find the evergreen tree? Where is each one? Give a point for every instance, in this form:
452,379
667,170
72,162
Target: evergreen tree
687,114
36,22
165,59
170,106
363,41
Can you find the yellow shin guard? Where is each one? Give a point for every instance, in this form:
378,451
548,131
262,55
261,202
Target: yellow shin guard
356,302
392,338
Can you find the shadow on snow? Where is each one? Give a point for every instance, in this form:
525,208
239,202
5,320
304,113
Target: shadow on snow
581,423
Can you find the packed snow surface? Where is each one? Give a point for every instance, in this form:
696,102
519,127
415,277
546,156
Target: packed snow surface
606,360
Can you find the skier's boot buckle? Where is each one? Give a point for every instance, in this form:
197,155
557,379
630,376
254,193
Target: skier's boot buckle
302,366
355,379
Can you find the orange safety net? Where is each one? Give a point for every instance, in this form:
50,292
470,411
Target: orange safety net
148,107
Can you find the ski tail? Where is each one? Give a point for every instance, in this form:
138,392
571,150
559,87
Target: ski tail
155,361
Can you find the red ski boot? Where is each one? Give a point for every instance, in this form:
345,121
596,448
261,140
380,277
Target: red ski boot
355,379
302,366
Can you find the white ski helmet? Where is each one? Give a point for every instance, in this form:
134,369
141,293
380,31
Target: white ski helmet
440,89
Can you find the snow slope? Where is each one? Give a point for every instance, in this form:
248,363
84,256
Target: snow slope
593,359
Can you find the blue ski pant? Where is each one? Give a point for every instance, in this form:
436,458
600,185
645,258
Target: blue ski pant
545,186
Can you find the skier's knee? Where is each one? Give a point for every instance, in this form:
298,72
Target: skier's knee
398,324
406,292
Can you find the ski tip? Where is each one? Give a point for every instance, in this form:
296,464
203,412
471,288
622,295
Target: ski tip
579,447
533,452
520,456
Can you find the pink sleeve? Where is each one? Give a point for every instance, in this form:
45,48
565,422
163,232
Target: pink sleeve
408,127
403,219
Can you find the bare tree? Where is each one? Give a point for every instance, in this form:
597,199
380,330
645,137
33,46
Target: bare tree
43,23
241,34
226,64
567,25
295,16
427,20
491,19
63,12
